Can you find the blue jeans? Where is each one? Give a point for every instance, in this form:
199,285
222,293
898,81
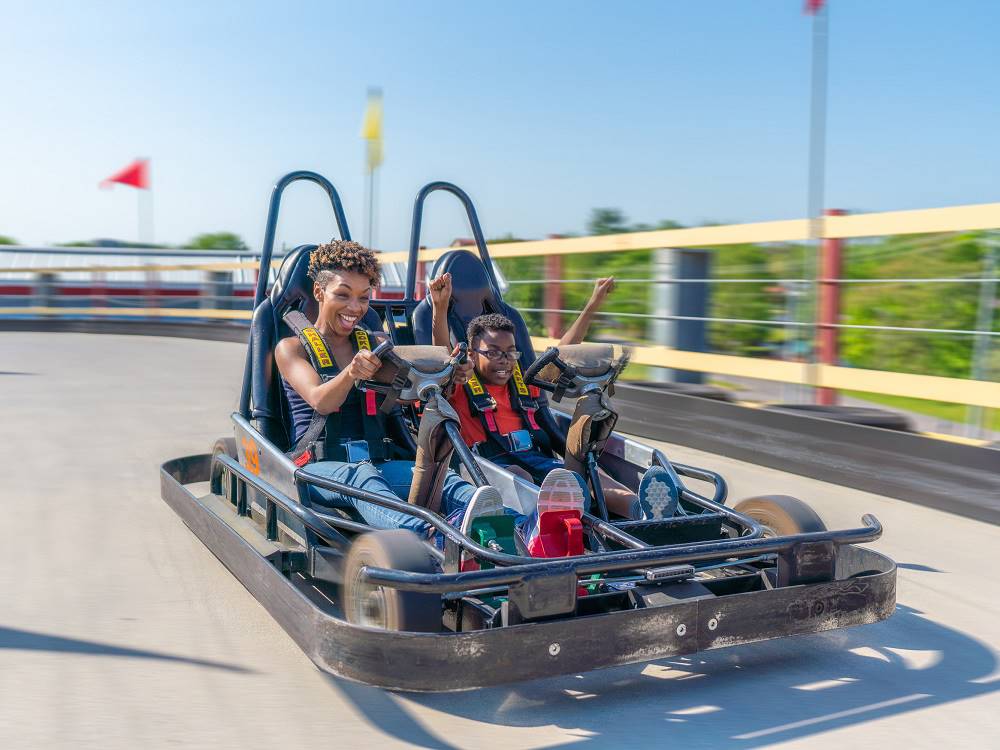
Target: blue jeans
536,463
392,479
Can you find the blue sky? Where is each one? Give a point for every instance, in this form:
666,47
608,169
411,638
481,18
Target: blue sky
689,110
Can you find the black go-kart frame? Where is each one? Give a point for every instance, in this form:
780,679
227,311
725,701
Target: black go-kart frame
710,577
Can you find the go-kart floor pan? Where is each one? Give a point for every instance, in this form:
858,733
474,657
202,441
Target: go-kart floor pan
459,661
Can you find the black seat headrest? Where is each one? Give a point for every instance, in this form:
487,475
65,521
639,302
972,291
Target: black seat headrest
293,289
472,295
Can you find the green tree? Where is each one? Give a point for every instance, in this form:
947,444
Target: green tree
218,241
4,240
606,221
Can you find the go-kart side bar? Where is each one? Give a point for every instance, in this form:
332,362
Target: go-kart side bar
274,496
605,562
704,475
454,535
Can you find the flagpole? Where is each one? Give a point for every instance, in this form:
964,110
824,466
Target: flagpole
152,216
138,216
371,205
817,177
371,131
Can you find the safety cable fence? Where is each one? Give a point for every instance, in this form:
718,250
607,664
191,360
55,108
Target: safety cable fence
900,317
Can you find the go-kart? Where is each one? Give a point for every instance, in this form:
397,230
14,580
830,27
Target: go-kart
462,609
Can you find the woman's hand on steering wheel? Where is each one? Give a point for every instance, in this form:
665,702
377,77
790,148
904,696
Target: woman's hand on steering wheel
364,365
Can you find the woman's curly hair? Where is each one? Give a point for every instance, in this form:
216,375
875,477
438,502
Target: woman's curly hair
343,255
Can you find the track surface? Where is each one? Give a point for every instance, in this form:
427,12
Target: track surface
118,629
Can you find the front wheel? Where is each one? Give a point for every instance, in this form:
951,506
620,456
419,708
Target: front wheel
219,480
387,608
781,515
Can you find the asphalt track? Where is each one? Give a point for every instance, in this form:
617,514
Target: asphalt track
118,629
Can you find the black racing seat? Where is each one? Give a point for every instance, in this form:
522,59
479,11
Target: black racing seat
473,295
292,290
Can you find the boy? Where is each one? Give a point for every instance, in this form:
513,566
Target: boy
507,433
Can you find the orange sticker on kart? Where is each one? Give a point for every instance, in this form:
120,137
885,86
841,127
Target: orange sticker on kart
318,347
251,456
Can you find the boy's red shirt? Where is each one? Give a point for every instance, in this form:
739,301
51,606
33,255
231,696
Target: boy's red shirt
508,420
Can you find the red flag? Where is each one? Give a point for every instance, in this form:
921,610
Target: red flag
813,7
135,174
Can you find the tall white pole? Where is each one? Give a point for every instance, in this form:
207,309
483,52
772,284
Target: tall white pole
816,184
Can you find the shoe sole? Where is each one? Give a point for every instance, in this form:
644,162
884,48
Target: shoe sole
486,501
561,485
660,500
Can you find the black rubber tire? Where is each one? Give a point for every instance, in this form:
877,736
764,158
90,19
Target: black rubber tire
697,390
226,446
862,415
396,549
782,515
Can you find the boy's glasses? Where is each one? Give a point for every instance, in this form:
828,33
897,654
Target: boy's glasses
493,355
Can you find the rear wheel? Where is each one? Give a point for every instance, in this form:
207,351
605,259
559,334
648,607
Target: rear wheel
781,515
386,608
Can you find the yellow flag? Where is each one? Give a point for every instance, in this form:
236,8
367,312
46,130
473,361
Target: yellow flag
371,128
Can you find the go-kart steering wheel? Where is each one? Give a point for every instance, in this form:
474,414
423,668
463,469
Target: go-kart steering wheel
579,367
402,380
567,374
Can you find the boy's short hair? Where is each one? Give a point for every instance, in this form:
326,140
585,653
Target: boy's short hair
343,255
489,322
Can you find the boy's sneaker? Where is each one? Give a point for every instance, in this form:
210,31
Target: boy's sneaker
658,495
561,489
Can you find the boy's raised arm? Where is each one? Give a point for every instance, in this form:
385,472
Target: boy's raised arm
576,332
440,291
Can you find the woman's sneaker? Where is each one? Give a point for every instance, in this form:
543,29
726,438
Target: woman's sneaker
486,501
658,495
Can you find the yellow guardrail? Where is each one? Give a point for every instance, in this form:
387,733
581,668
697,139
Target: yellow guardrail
921,221
955,390
932,387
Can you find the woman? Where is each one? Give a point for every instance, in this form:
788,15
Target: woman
345,274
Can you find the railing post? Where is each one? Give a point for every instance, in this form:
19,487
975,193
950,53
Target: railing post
831,267
552,294
216,291
45,289
420,290
662,330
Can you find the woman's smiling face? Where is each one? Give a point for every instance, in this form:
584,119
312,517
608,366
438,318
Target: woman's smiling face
343,300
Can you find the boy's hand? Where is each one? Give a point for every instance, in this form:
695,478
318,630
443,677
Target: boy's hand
602,288
440,289
463,371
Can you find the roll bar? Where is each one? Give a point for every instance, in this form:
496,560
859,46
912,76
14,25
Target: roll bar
267,250
477,233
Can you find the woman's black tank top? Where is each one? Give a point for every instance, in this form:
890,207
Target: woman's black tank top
352,414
